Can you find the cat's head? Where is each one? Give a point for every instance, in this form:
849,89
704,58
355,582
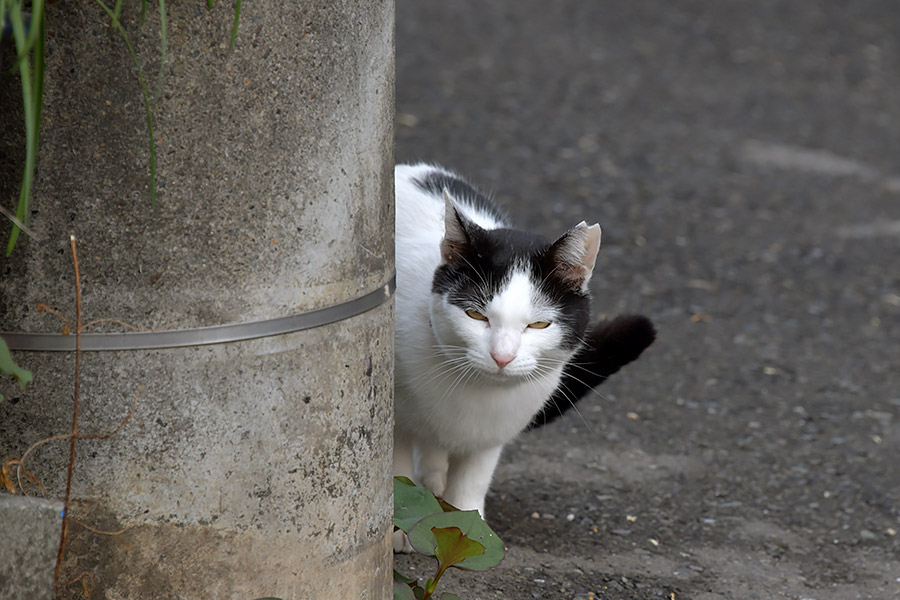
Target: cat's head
509,302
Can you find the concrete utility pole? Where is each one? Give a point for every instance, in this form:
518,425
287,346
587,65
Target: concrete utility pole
250,468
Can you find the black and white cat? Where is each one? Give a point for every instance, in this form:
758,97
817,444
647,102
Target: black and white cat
492,332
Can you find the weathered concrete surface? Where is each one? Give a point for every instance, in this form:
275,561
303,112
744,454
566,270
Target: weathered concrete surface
251,469
742,158
29,542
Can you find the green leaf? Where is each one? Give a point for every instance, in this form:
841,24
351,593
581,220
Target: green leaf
9,367
398,576
446,506
402,591
469,523
404,480
453,546
412,503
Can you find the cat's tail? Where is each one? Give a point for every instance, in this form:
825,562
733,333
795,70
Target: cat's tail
610,345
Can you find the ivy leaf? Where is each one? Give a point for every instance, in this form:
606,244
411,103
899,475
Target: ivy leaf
446,506
402,591
398,576
469,523
453,546
404,480
412,503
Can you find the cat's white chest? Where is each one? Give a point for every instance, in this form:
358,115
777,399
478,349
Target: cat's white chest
471,415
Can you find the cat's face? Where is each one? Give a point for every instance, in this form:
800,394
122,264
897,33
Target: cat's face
508,303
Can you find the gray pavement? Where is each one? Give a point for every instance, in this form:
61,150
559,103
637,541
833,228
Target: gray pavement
743,159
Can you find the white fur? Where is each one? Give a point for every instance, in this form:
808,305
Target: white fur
455,407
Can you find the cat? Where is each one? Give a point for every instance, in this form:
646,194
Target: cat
492,333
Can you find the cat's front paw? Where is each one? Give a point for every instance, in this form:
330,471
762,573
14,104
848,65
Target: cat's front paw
435,481
401,542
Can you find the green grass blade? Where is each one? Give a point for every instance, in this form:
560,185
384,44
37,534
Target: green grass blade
37,18
143,11
38,80
22,51
210,3
144,92
237,20
117,9
18,26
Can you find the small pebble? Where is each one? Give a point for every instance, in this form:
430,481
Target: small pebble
570,517
535,515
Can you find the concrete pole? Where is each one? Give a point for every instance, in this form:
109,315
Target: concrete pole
249,469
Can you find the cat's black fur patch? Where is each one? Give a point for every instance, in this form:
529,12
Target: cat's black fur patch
485,265
435,182
610,345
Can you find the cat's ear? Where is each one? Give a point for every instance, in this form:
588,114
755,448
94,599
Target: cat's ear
456,231
575,253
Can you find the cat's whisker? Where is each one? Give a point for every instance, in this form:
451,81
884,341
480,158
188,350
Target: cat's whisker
574,365
566,393
440,373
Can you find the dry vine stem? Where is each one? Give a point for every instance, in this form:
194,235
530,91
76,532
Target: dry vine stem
65,522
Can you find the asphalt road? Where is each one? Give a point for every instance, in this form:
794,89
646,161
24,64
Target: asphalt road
743,159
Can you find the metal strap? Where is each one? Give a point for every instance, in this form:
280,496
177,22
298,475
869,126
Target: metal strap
200,336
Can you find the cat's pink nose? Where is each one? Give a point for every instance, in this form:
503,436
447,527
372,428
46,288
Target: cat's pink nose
502,359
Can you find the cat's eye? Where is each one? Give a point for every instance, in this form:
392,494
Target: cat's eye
539,325
476,315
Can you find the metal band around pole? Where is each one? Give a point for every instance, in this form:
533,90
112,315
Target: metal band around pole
201,336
